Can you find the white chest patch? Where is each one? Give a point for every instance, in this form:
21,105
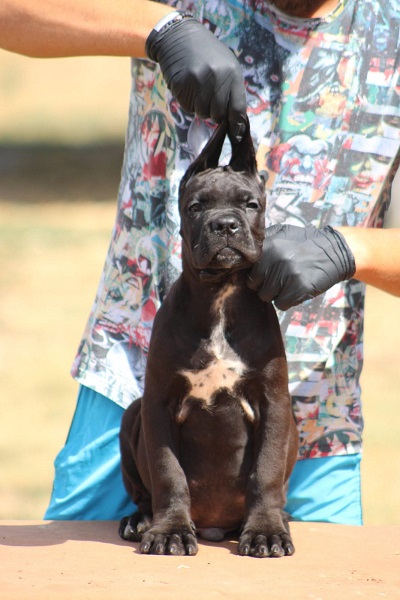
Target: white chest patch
218,374
223,371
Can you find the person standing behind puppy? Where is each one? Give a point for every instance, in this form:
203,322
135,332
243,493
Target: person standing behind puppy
319,84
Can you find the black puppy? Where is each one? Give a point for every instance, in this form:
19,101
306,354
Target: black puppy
210,446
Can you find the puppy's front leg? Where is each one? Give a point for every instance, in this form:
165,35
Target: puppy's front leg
265,530
172,531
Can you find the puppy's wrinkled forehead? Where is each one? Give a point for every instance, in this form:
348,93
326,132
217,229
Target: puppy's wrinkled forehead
222,186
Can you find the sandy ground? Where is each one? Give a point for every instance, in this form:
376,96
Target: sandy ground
87,561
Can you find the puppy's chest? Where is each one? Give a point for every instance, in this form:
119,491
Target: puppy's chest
216,368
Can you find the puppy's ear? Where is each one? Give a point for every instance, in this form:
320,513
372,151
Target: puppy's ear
209,156
243,153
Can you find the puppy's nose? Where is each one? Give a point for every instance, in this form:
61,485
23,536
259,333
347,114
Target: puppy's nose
225,225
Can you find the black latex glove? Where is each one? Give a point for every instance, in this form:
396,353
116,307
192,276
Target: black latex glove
300,263
202,73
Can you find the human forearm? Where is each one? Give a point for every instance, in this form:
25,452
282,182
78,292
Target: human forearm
377,256
56,28
202,73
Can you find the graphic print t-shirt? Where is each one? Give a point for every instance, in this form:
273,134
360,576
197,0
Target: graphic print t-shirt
323,102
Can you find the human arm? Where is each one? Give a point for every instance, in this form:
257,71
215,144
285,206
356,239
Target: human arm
201,72
300,263
61,28
377,256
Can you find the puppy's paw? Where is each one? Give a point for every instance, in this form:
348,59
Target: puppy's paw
174,541
261,545
132,528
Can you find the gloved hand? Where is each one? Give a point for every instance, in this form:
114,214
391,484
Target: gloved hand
299,263
202,73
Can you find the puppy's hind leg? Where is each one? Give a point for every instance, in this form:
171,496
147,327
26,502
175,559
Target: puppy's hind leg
132,528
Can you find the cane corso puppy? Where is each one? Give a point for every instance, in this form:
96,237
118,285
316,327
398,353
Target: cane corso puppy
209,447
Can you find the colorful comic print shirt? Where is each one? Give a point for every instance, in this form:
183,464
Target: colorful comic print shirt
323,101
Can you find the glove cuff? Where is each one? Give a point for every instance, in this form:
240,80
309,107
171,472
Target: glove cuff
347,260
170,20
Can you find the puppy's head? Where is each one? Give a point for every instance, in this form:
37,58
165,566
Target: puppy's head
222,209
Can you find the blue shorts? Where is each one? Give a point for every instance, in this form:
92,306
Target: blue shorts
88,483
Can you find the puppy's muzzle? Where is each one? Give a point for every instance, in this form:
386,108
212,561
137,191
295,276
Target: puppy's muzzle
225,225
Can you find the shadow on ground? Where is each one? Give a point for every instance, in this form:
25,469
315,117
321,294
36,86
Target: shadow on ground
42,172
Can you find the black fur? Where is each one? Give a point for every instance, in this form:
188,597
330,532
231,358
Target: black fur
210,446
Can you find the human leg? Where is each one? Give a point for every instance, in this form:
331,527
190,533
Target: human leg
88,482
326,490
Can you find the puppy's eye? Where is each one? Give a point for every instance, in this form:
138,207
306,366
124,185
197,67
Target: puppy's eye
195,207
252,204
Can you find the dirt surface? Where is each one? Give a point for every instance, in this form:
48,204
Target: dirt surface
87,560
